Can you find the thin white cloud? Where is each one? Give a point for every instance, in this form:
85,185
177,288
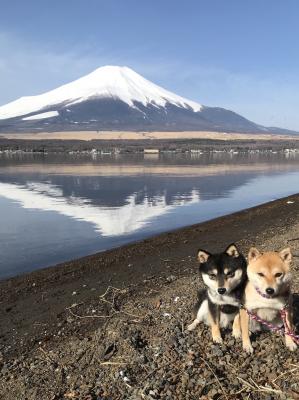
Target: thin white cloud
27,70
268,101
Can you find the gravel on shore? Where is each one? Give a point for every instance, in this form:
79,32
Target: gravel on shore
64,335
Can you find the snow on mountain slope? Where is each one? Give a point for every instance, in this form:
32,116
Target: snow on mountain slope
48,114
114,82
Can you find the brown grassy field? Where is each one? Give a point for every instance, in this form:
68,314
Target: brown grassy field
123,135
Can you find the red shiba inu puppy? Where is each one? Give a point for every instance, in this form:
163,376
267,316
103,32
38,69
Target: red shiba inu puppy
267,293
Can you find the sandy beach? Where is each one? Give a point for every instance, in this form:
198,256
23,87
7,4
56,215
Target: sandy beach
112,325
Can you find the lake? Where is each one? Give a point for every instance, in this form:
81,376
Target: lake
55,208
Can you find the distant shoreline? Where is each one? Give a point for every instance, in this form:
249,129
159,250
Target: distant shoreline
143,142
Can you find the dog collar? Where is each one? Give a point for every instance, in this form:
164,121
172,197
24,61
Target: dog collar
266,296
228,308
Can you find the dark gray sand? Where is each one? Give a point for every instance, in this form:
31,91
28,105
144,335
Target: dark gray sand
113,325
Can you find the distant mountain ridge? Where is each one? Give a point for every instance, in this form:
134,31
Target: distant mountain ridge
117,98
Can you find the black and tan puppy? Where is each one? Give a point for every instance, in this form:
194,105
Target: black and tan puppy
224,275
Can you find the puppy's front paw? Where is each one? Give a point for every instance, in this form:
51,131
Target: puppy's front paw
290,344
248,348
192,326
217,339
236,333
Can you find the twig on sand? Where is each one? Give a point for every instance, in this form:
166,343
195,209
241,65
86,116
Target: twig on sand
111,303
54,362
259,388
293,239
113,363
74,305
120,311
89,316
47,355
285,373
103,316
246,383
113,288
268,389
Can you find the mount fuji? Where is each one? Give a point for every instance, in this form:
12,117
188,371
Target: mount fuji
118,98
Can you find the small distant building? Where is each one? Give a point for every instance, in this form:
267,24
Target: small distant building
196,151
151,151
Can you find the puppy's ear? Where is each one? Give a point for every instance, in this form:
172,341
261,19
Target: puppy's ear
286,256
203,256
232,250
253,254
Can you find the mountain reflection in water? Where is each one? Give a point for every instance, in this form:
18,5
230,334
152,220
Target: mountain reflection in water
54,209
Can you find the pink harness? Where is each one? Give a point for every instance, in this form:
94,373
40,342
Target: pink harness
283,330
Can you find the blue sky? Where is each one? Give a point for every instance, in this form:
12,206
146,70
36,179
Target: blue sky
241,55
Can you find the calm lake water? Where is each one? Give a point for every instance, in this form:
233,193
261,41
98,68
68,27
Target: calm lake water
55,208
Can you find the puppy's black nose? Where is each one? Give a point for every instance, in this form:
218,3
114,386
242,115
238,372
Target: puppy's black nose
221,290
269,290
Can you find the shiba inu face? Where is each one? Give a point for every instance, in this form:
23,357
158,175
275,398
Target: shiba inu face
269,272
222,272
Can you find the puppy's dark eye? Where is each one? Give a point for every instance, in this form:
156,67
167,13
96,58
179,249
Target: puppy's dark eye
212,276
260,274
279,274
231,274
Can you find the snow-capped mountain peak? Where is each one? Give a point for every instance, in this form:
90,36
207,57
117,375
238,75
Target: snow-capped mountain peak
118,98
114,82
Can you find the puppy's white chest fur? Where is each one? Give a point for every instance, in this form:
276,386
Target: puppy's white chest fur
268,314
260,302
266,309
